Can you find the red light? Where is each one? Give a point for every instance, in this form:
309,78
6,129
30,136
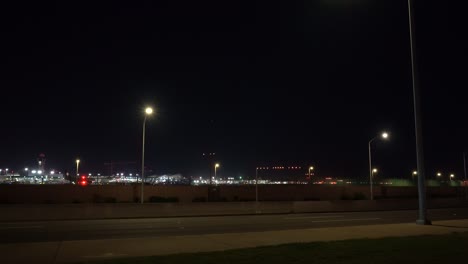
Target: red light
83,183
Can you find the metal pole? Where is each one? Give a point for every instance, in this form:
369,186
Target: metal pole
464,170
422,214
370,172
143,163
215,173
77,172
256,185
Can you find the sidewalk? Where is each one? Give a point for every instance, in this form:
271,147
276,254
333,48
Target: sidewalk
76,251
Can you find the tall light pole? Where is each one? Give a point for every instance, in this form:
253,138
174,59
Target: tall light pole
415,174
311,168
464,170
422,212
25,174
256,184
216,166
77,168
148,111
384,135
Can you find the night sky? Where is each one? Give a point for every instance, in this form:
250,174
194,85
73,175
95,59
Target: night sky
257,82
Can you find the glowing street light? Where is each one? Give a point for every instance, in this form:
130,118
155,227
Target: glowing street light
148,112
439,174
452,176
414,174
216,166
77,166
311,168
374,170
256,184
384,136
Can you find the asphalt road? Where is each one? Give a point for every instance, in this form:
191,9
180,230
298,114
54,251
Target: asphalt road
43,231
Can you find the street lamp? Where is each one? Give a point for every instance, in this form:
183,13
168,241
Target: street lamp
77,166
452,176
77,169
384,135
148,112
256,184
215,167
311,168
422,212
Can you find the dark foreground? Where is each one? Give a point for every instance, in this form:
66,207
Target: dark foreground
420,249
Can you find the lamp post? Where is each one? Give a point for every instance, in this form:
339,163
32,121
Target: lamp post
256,185
215,167
311,168
148,111
374,171
384,135
77,168
422,212
452,176
464,170
25,175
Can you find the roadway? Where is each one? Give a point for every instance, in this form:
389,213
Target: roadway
48,231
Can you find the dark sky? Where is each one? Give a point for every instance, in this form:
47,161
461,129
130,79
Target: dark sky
257,82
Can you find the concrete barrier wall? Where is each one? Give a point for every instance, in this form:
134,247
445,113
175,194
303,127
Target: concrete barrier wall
29,212
51,194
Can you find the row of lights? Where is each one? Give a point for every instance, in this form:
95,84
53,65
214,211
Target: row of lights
438,174
282,168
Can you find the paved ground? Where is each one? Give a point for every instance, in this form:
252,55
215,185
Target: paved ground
320,227
48,231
